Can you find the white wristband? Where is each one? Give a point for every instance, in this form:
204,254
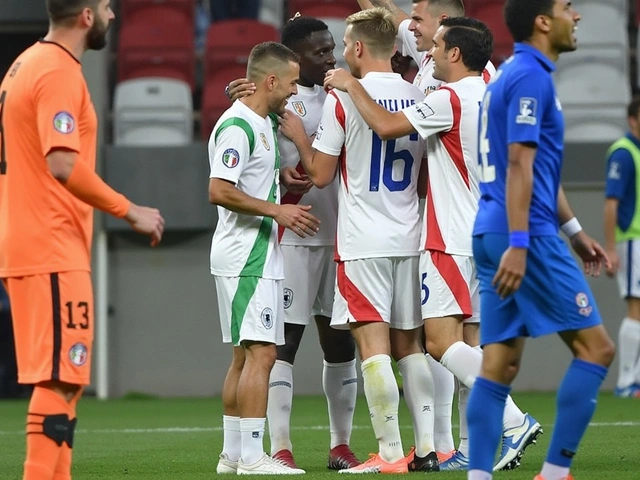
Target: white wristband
571,227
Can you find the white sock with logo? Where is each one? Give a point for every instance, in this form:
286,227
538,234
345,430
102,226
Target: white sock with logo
383,398
252,432
444,385
231,434
340,385
279,406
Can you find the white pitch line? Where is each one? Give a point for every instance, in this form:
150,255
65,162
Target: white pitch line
304,428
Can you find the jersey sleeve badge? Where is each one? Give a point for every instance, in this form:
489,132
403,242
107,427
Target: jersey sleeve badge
231,158
63,122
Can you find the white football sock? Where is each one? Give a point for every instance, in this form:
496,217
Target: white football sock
417,381
340,385
444,385
465,362
479,475
252,432
628,350
554,472
383,397
279,406
463,399
231,434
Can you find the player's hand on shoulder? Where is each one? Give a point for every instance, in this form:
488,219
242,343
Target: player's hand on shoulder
146,220
337,78
297,219
294,181
239,88
591,253
291,126
511,270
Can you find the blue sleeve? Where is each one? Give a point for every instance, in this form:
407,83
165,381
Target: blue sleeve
527,99
621,173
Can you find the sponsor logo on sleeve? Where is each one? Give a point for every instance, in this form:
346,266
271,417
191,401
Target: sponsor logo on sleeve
614,171
528,107
63,122
424,110
231,158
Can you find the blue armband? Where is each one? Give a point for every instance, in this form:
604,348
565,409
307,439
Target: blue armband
519,239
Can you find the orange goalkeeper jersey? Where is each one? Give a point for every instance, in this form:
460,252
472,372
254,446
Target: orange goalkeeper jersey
44,105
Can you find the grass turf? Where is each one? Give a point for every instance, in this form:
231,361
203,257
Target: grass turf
179,439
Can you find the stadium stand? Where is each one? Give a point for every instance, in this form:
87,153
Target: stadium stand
153,112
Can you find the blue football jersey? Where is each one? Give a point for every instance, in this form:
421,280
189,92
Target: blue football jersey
520,106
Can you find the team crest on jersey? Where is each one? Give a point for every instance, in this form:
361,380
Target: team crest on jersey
267,318
299,108
265,142
78,354
528,107
288,297
583,303
63,122
231,158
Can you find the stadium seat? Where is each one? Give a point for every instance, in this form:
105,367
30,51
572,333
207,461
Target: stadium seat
214,100
583,126
490,12
153,112
164,48
602,24
323,8
592,81
272,12
151,10
231,41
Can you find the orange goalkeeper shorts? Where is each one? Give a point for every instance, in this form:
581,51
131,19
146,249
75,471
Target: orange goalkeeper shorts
53,321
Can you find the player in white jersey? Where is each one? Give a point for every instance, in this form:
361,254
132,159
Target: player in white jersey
377,241
415,39
448,119
309,269
246,260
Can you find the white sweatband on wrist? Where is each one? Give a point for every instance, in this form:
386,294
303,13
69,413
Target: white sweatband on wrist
571,227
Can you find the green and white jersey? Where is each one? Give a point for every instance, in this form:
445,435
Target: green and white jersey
243,150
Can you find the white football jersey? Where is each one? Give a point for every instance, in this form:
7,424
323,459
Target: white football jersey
242,150
307,104
448,119
378,212
424,79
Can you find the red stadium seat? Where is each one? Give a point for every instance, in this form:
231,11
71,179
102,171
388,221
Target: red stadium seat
164,48
150,10
214,99
490,12
323,8
231,41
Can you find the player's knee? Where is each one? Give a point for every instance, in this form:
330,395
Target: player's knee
502,371
59,429
435,349
287,352
65,390
341,347
605,353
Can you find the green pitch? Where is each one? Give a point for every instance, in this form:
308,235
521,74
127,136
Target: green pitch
180,439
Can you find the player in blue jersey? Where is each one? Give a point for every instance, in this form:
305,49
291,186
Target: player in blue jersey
622,244
529,283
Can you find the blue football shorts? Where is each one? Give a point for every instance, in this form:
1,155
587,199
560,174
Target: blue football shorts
554,295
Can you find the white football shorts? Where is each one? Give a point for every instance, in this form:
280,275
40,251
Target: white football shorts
309,282
629,272
378,290
449,285
250,309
